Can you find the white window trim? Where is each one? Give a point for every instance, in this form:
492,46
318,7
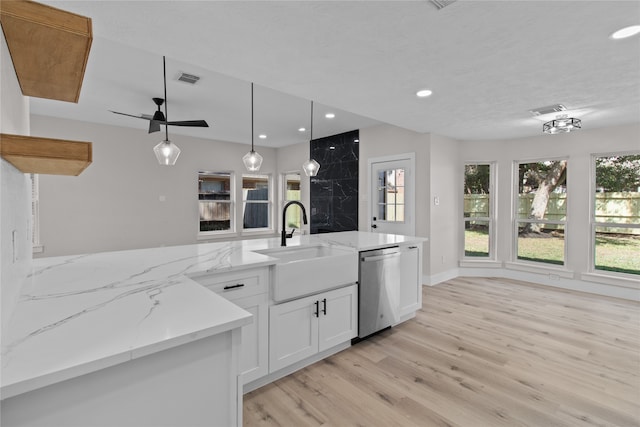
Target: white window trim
283,196
270,219
218,234
522,264
604,276
38,248
491,260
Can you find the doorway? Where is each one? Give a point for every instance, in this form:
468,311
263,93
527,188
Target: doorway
392,194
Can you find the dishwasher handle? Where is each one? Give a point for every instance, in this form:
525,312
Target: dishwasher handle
380,257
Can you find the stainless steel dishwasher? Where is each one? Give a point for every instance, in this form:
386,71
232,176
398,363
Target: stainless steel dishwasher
379,290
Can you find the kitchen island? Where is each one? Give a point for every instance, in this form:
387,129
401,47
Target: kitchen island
129,338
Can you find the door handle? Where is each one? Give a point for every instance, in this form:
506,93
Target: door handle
374,226
324,306
317,313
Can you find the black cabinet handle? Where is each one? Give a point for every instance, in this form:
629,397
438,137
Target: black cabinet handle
413,247
317,313
324,306
237,285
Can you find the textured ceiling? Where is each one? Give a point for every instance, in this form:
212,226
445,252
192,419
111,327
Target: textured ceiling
487,63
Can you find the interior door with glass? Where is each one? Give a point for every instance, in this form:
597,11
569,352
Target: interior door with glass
392,196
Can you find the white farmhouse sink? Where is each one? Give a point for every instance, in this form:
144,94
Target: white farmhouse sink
306,270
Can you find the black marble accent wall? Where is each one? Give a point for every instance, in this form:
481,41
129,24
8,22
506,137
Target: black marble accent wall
334,191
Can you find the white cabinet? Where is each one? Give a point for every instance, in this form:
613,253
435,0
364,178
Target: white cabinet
410,279
303,327
248,289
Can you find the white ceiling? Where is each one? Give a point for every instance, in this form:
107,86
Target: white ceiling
487,63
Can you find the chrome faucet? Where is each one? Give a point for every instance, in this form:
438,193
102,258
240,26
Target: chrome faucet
283,236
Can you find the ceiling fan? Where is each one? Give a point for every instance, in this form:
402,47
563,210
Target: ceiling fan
158,118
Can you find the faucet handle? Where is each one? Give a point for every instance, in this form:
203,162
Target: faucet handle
290,235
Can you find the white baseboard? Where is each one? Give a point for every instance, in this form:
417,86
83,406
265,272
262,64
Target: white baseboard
441,277
545,279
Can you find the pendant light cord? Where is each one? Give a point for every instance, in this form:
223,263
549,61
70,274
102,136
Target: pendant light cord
166,114
311,139
252,150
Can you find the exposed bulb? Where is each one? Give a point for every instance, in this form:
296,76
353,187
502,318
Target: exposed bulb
311,167
252,161
167,153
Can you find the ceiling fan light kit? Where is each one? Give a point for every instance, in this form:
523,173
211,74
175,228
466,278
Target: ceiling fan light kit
252,160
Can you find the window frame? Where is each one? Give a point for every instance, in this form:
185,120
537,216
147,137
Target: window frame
491,219
283,193
202,235
269,202
516,221
593,224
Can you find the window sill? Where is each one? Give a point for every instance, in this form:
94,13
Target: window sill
38,249
539,269
216,236
484,263
610,279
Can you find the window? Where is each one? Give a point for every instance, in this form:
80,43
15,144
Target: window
256,197
541,211
616,214
391,195
478,210
291,191
215,201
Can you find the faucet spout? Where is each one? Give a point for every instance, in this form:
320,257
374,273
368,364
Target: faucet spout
283,235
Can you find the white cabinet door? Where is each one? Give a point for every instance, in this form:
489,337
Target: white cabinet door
254,356
293,332
410,280
338,321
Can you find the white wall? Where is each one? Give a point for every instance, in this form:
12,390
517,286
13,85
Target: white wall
290,159
577,147
115,203
385,140
445,183
15,192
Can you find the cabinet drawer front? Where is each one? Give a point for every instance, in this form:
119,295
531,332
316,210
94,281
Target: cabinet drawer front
236,284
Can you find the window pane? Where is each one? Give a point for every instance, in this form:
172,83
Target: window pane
542,190
215,216
255,187
547,245
617,249
255,192
618,189
214,186
400,213
391,195
476,238
382,212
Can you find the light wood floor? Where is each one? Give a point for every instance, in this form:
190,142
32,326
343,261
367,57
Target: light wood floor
481,352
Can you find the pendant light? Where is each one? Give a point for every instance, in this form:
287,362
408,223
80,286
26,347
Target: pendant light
252,160
166,152
311,167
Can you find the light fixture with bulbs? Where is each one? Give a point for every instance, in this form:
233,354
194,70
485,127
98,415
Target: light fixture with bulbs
252,160
311,167
562,124
166,152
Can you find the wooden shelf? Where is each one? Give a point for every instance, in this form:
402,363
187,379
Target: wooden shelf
31,154
49,48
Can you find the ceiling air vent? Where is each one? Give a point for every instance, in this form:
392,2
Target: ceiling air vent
188,78
548,109
440,4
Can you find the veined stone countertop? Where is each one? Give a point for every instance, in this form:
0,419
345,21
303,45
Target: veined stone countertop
79,314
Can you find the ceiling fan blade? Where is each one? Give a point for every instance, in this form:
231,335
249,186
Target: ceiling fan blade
193,123
131,115
154,126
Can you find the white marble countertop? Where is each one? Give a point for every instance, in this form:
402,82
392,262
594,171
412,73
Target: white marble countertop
79,314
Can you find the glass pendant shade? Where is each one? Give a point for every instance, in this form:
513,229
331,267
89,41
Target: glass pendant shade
311,167
167,153
252,161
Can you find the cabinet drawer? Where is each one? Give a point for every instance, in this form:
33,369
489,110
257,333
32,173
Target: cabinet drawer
236,284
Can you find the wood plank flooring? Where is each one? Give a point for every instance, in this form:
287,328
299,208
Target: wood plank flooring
481,352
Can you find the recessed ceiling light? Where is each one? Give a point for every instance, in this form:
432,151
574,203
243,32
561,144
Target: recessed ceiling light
626,32
332,147
262,136
302,129
329,115
423,93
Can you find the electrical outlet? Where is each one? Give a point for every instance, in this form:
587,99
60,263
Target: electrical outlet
436,201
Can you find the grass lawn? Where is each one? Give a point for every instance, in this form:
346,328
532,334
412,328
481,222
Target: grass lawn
613,252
